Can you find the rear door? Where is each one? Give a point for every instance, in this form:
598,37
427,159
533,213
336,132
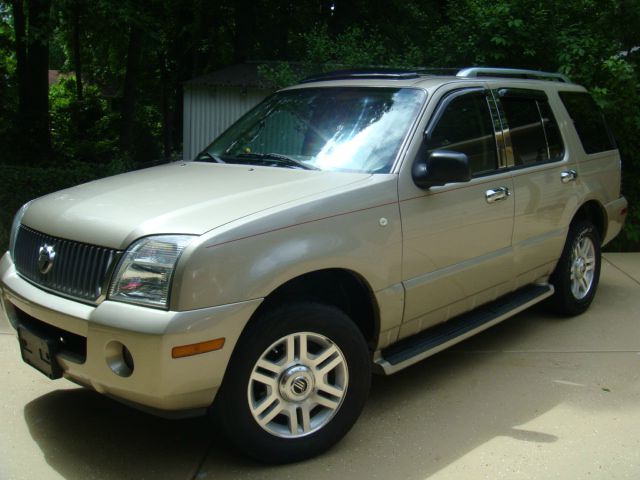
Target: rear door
544,180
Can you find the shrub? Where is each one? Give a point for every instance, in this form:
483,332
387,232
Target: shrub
21,184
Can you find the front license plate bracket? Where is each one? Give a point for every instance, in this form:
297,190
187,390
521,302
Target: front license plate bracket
39,351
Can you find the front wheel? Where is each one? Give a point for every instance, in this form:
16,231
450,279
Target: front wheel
296,383
577,274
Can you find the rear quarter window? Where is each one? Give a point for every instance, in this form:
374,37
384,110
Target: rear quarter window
588,121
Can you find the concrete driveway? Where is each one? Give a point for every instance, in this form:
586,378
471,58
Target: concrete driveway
537,397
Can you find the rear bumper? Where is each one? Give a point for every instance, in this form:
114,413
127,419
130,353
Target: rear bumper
157,380
616,215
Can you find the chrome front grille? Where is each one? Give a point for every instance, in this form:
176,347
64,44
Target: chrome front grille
78,270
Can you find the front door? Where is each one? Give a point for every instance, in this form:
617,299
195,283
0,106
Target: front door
457,238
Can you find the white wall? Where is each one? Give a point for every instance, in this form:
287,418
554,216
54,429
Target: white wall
208,111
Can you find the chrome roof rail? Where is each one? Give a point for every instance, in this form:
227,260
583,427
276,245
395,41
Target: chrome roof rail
475,72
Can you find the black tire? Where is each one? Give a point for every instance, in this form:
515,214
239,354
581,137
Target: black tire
571,298
322,328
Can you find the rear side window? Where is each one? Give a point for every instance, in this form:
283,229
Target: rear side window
535,136
589,122
551,131
465,126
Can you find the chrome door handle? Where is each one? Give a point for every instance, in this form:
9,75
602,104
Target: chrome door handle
568,176
496,194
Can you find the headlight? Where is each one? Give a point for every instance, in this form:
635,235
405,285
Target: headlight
146,269
15,227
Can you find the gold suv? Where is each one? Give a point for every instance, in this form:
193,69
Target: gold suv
359,221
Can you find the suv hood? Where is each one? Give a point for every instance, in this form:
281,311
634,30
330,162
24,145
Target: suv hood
189,198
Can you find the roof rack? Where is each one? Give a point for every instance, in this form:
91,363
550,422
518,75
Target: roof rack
398,74
513,73
371,74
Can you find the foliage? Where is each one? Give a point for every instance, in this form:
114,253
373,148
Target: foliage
81,129
8,98
354,48
596,43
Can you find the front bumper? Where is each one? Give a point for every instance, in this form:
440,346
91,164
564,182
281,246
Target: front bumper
157,380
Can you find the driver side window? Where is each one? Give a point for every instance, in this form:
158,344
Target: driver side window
466,126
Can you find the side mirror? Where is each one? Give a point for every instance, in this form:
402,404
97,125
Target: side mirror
441,167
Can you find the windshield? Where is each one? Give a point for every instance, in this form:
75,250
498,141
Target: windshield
340,129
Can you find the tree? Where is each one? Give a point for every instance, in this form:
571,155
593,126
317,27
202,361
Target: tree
124,62
32,27
129,96
8,91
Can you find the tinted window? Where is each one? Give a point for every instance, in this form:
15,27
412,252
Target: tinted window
534,132
552,132
466,126
589,122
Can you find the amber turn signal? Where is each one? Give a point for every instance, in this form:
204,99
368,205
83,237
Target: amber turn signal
197,348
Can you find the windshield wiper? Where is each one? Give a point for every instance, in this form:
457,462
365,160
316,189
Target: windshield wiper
210,156
279,158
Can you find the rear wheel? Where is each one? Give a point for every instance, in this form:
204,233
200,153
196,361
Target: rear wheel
296,383
577,274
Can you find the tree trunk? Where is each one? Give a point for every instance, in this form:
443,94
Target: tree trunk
164,105
35,119
129,91
77,59
185,58
244,30
283,30
21,56
197,31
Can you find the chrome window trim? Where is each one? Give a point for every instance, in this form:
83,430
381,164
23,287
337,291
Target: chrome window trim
498,129
506,133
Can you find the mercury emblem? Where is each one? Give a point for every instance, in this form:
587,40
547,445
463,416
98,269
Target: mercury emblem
46,254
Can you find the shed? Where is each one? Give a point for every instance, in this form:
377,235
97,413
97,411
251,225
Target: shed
213,102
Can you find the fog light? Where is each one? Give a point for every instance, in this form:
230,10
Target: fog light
128,359
119,359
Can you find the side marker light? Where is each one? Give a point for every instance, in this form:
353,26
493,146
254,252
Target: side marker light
197,348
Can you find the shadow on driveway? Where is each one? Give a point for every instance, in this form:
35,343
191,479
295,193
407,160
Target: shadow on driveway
85,435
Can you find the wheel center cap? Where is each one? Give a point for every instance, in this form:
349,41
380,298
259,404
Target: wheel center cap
297,383
580,266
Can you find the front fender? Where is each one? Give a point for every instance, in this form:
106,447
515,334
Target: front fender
358,230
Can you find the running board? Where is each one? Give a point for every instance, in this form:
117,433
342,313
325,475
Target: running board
433,340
